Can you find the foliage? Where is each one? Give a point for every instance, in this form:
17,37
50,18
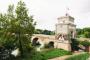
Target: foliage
83,56
54,53
45,55
85,32
46,32
74,44
16,27
85,43
33,55
79,31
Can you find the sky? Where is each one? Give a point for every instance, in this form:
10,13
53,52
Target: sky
46,12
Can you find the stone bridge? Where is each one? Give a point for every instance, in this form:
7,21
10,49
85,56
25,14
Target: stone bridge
44,38
51,40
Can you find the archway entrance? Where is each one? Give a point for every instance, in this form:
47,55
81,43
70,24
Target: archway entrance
51,44
35,42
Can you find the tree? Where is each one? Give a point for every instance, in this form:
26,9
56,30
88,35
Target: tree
79,31
38,31
46,32
25,25
85,32
17,27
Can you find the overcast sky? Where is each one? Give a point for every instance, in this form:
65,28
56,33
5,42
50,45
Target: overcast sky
46,12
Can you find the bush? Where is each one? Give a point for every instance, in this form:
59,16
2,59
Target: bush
74,44
85,43
87,34
83,56
33,55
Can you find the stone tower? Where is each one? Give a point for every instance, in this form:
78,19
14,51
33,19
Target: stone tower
65,30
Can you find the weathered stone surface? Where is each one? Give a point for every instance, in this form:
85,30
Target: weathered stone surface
65,29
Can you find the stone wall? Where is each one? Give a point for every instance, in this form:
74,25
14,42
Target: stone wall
45,39
65,46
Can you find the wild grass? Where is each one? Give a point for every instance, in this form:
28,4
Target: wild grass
83,56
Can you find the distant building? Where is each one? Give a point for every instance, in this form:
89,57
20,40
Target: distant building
65,30
66,26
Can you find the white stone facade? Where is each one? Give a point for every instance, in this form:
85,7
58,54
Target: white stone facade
66,26
65,30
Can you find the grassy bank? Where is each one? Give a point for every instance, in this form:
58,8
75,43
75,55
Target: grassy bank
83,56
54,53
44,55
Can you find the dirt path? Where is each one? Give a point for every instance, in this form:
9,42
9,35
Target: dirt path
64,57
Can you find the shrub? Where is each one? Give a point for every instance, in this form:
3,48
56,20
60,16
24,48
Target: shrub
33,55
87,34
85,43
74,44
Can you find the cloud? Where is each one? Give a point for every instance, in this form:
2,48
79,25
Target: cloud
86,7
46,12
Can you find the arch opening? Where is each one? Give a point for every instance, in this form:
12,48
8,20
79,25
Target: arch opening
35,42
50,44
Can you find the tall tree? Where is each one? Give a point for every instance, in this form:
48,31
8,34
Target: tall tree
17,27
25,25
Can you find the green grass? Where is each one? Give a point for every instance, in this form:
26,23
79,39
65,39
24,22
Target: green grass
54,53
83,56
46,54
